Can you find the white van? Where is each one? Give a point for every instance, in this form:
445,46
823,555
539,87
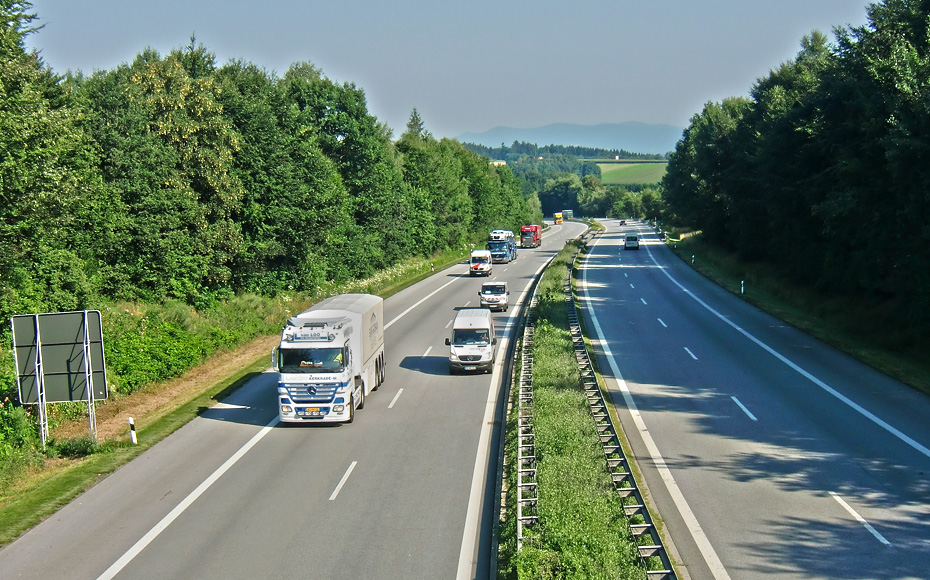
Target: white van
494,296
473,344
480,263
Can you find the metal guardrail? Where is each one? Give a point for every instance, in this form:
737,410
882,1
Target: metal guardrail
526,439
653,554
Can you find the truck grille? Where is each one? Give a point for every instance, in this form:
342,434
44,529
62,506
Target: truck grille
312,392
470,358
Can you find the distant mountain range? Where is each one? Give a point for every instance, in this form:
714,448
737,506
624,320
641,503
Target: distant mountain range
631,136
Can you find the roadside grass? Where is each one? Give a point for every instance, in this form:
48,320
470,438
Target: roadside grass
582,530
631,173
851,324
29,494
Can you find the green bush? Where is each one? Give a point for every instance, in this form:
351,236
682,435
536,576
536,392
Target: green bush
76,447
19,442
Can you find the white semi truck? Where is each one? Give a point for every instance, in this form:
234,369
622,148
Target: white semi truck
330,358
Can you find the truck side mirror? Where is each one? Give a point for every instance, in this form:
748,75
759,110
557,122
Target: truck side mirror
448,342
479,292
494,340
274,358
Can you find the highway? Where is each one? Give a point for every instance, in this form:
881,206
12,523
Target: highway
406,491
768,453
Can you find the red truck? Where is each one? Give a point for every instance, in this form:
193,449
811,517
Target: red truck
530,236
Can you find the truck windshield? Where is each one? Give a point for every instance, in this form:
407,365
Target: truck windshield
470,336
496,245
492,289
311,360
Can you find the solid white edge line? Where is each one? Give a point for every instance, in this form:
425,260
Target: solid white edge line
697,532
862,411
343,480
743,407
860,519
397,396
467,562
166,521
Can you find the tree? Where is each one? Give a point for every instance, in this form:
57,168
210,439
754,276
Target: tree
169,163
415,126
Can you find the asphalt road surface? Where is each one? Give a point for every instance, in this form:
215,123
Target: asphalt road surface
769,454
407,491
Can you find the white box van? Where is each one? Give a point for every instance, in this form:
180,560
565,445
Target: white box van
631,242
480,263
494,296
473,344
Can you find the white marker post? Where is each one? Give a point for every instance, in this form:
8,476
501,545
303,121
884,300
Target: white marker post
132,432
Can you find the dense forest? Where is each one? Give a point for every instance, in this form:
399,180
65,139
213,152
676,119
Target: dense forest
824,170
173,178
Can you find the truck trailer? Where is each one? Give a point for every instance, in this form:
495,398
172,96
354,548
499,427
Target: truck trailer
330,358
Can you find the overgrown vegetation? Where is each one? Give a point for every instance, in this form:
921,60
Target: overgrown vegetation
582,530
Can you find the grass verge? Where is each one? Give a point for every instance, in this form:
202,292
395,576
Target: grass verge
582,530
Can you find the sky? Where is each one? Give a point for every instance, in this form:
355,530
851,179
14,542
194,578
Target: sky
469,66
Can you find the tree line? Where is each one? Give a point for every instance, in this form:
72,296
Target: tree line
824,170
520,148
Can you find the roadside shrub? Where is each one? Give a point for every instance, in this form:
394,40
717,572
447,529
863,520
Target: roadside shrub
72,448
19,443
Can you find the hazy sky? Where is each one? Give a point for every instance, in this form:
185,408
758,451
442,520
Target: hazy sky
469,66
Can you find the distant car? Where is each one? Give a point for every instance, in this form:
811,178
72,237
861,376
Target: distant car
622,222
631,242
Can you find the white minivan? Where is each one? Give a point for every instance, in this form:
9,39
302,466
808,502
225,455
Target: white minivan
494,296
473,344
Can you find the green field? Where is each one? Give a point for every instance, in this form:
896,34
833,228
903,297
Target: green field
631,172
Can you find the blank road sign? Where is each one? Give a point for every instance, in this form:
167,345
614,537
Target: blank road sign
66,347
